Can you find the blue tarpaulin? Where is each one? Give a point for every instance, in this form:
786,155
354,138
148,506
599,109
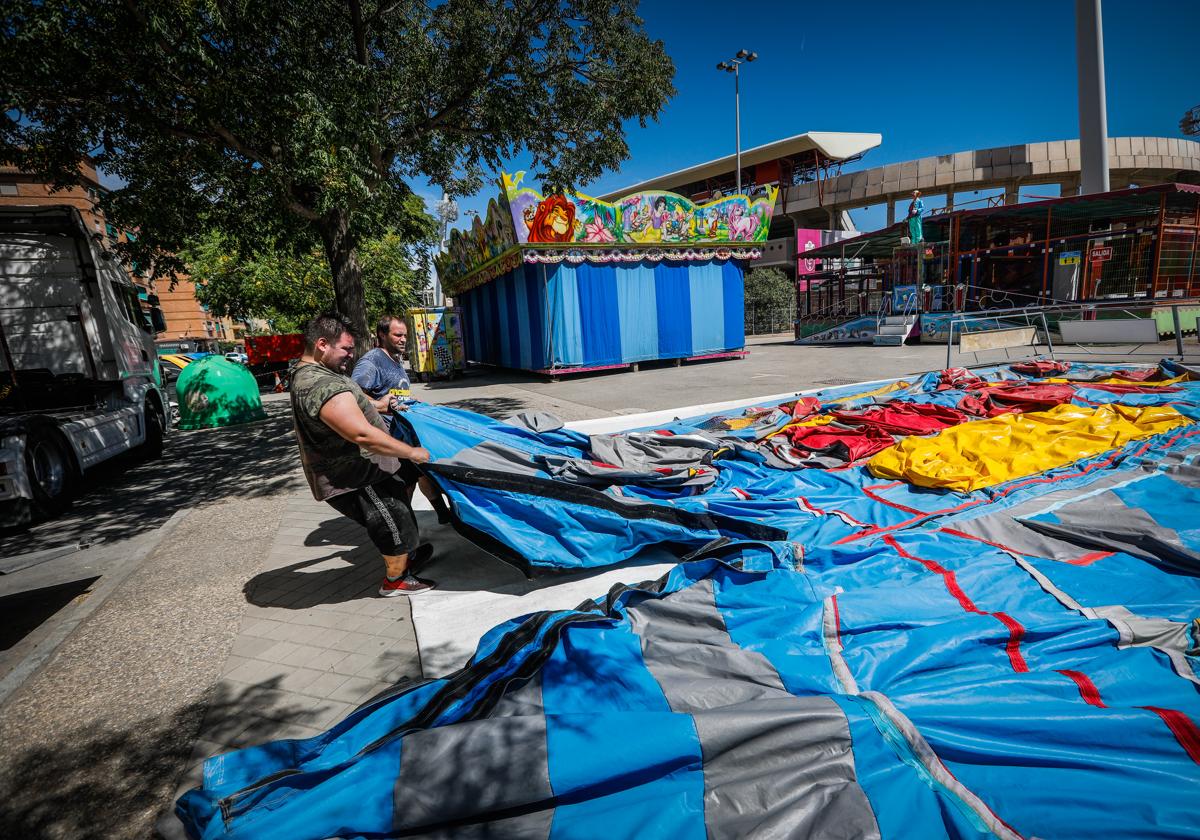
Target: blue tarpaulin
834,655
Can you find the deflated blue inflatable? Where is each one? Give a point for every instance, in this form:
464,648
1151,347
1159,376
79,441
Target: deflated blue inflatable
833,656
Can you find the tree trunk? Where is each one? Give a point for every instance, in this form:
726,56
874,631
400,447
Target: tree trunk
347,275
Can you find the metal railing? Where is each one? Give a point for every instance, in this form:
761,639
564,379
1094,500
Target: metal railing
1046,320
765,320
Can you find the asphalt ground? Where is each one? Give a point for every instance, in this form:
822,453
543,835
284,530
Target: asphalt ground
161,566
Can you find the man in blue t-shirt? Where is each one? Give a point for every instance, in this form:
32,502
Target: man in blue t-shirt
380,372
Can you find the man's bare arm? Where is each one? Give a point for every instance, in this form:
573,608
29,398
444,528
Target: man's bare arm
342,414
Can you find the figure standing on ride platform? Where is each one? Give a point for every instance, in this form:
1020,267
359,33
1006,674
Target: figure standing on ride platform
915,209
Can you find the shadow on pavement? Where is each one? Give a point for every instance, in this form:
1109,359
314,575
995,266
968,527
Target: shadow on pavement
497,407
97,783
123,498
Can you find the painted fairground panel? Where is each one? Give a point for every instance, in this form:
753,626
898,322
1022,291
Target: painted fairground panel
480,244
437,341
641,218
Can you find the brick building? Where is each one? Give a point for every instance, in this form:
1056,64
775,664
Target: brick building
186,317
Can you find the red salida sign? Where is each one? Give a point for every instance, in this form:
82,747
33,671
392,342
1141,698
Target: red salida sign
1101,254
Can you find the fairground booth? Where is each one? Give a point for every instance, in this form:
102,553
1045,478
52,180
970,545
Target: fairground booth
567,283
1140,246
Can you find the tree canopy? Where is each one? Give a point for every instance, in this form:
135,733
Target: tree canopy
287,288
300,123
769,288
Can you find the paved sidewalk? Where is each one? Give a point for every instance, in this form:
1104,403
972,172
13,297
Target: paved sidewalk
314,642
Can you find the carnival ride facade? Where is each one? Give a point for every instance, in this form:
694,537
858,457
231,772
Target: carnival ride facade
1139,245
564,282
961,604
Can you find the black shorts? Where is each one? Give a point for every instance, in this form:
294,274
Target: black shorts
382,509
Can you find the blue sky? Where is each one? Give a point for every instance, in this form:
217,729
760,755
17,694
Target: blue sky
932,77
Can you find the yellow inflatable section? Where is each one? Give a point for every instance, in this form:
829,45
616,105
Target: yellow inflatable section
989,452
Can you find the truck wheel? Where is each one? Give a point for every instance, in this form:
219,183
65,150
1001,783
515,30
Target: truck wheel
152,447
51,473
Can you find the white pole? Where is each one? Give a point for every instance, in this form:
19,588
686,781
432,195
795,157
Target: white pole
737,120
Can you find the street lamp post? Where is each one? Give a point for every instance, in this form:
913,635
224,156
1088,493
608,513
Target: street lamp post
731,66
447,212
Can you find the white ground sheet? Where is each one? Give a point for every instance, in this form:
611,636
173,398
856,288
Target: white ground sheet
476,591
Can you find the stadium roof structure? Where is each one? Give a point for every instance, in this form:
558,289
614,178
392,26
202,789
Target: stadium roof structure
828,146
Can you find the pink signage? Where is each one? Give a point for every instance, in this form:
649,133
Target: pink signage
808,239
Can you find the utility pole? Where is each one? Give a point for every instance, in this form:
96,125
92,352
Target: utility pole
731,66
1093,118
447,212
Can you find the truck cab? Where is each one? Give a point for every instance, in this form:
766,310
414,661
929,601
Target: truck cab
79,374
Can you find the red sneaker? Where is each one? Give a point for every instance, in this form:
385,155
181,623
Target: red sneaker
407,585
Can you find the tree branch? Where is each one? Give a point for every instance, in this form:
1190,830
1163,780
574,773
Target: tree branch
360,34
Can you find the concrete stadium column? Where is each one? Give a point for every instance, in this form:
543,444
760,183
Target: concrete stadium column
891,214
949,202
1093,116
1012,193
833,218
1068,186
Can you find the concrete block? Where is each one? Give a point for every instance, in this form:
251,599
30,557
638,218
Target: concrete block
299,679
1137,145
908,184
1040,167
858,179
251,646
362,665
964,160
1020,170
329,712
944,179
1140,161
255,671
1001,156
978,174
1036,152
280,652
875,176
908,169
1003,170
945,163
1160,144
1121,146
926,166
891,186
875,189
279,631
857,193
1056,150
357,689
1156,161
1072,149
891,172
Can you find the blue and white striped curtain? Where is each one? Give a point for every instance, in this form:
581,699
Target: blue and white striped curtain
541,316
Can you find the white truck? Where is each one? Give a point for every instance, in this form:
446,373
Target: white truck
79,375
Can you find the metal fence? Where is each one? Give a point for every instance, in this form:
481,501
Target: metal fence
765,320
1111,330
